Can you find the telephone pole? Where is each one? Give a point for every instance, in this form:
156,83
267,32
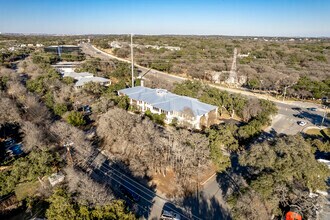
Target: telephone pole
324,115
284,92
68,152
132,61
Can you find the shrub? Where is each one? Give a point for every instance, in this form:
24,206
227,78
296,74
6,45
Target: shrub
68,80
159,119
60,108
75,118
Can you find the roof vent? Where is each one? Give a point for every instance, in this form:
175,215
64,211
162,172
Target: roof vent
161,91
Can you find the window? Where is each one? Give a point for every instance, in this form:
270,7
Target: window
163,112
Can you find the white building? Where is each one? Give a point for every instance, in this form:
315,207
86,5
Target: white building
66,66
116,44
185,109
56,178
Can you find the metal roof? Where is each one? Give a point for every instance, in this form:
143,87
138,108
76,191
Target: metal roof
77,75
83,81
167,101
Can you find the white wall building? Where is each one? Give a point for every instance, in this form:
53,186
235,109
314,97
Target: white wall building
159,101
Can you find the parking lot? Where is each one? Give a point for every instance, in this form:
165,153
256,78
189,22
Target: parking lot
288,118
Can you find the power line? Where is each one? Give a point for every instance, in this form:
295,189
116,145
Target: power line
140,189
143,188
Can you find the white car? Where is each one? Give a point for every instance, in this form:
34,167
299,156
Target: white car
169,215
302,123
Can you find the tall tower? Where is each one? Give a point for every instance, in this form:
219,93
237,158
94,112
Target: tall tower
232,79
132,61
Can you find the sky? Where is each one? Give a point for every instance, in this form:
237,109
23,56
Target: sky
292,18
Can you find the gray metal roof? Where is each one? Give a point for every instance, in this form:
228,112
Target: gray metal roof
77,75
167,101
83,81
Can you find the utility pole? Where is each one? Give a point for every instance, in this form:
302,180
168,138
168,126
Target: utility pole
284,92
68,152
324,114
132,61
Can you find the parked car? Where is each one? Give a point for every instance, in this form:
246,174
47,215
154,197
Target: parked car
298,116
302,123
313,109
170,215
296,108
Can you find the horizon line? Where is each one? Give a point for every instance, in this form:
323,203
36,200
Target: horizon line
121,34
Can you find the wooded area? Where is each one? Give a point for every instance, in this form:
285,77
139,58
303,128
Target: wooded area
273,65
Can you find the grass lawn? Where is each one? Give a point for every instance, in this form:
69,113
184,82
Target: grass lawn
323,132
24,190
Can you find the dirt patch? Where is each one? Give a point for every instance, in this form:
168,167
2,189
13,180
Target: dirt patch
165,184
109,51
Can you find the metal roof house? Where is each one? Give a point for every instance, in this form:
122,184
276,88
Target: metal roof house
86,77
159,101
82,81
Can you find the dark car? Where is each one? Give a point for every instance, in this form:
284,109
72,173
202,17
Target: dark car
298,116
296,108
86,109
129,193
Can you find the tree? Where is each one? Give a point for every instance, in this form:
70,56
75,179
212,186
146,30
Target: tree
9,111
217,150
94,88
25,169
68,80
283,171
188,88
251,110
34,137
61,206
122,102
157,118
65,133
148,149
75,118
60,108
85,190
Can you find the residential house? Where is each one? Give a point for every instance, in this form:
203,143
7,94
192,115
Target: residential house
85,77
184,109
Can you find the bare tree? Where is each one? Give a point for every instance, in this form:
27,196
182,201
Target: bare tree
251,110
148,149
34,136
8,111
85,189
69,135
